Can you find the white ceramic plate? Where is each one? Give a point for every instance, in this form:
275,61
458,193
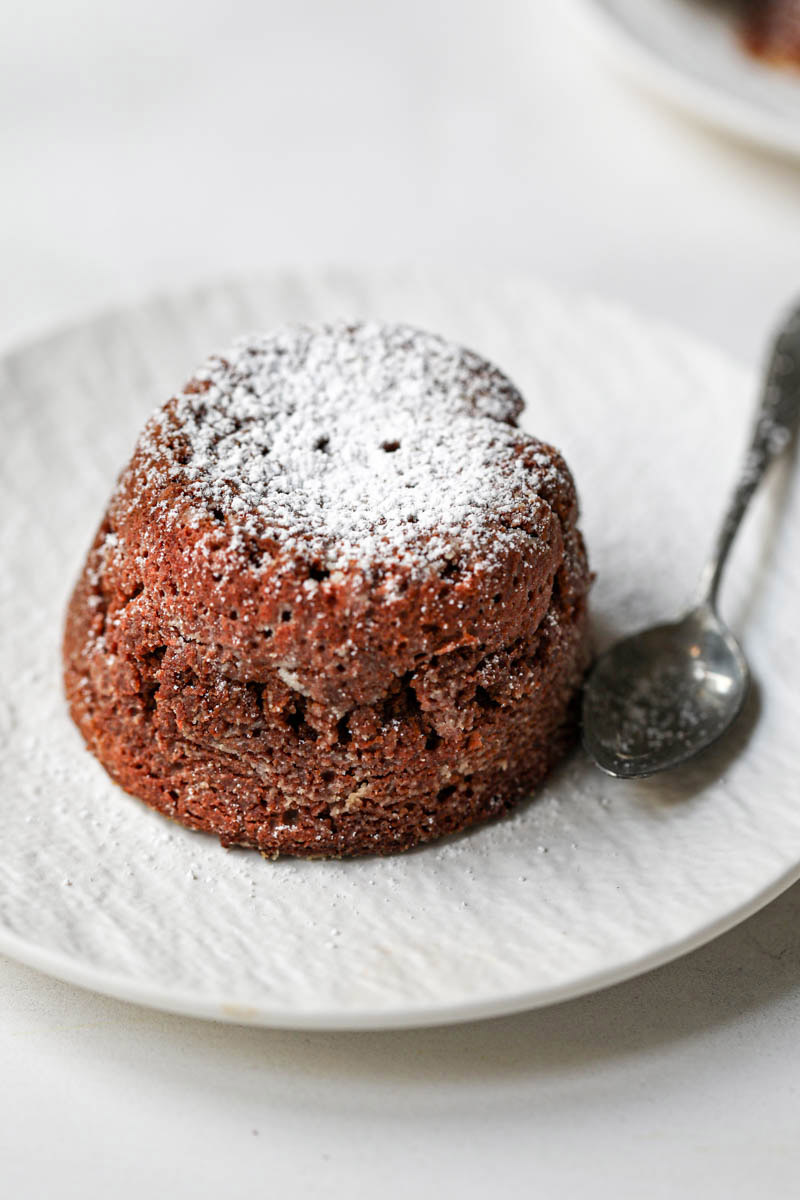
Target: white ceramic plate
688,51
594,881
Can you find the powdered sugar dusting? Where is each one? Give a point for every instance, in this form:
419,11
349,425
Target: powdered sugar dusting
356,445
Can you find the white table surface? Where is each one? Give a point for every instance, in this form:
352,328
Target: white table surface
162,143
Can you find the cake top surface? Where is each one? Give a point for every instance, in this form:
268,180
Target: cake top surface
353,445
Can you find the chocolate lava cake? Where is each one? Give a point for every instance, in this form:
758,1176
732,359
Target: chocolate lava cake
337,604
772,30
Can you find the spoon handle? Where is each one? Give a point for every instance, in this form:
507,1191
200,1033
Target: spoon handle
776,421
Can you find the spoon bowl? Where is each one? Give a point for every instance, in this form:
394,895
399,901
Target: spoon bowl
659,697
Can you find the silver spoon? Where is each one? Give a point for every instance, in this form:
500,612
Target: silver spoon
659,697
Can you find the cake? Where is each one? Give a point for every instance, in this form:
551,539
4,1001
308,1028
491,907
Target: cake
337,603
772,30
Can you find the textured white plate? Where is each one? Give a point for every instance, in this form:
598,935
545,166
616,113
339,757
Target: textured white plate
594,881
688,52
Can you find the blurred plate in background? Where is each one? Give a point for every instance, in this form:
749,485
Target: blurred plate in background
689,52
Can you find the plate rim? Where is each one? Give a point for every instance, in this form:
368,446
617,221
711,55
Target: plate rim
713,107
226,1011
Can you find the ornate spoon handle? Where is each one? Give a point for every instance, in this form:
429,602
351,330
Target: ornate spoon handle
776,421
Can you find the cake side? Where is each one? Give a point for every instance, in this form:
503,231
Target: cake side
257,764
